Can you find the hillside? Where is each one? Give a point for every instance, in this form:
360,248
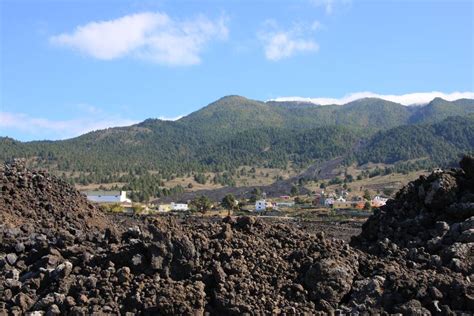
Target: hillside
439,109
235,112
442,142
182,150
236,131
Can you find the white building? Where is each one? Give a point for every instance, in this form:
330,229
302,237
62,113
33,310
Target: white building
164,208
260,205
108,197
378,201
285,204
328,202
179,207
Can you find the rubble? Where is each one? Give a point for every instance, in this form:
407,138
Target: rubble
61,255
430,223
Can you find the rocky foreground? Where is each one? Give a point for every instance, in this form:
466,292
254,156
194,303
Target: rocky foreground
60,255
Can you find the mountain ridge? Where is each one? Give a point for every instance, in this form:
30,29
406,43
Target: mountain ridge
234,131
305,112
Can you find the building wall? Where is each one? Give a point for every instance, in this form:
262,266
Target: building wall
108,198
260,205
179,207
104,198
164,208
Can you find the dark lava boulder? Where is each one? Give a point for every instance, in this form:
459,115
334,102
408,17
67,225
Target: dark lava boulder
430,222
33,200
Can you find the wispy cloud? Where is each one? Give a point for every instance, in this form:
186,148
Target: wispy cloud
164,118
330,5
405,99
281,43
153,36
31,126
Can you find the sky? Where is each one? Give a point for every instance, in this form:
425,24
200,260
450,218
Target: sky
68,67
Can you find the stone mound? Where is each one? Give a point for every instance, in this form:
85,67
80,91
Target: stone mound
192,266
430,222
34,200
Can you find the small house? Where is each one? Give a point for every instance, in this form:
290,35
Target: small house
329,202
179,206
260,205
378,201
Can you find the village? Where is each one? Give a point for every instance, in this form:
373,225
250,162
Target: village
282,206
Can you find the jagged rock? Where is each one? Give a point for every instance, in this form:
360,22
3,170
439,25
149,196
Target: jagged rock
62,270
11,258
124,275
413,255
330,279
427,214
367,292
412,308
218,273
467,165
13,274
53,310
19,247
23,301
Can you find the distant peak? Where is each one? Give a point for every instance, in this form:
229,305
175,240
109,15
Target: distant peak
439,99
231,97
416,98
231,100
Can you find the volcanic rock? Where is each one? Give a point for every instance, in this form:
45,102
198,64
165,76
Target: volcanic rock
61,255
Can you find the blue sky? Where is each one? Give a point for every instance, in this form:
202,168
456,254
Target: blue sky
67,67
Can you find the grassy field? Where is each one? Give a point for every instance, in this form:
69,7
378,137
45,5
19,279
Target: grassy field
375,185
261,176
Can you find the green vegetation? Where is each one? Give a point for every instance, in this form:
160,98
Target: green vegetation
367,205
138,209
440,143
294,190
235,131
256,195
367,196
201,204
114,208
230,203
200,178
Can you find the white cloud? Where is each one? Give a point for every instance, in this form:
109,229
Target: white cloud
57,129
405,99
279,44
152,36
164,118
330,5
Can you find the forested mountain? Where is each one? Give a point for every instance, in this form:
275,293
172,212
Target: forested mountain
182,150
441,142
235,131
235,112
439,109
